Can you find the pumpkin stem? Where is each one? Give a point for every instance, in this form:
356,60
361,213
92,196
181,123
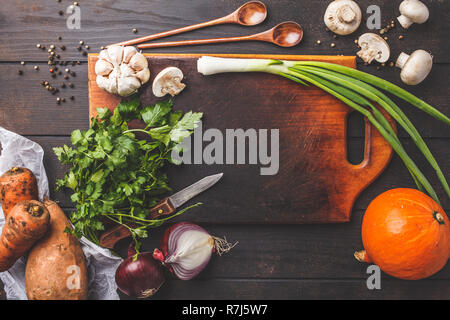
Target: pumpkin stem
362,256
439,217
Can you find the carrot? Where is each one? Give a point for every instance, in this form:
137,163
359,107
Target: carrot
17,185
26,223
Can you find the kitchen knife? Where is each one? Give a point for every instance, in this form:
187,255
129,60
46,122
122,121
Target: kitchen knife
167,206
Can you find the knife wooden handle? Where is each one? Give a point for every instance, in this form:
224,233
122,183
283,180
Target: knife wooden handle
110,237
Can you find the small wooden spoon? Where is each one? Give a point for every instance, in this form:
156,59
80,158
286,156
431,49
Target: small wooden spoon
249,14
285,34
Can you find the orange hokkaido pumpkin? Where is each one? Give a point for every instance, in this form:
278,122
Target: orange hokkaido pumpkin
405,233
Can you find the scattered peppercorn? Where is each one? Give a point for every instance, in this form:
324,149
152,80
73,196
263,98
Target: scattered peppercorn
79,48
22,63
63,85
102,48
81,42
58,56
38,45
66,76
59,73
58,100
36,67
78,62
87,47
333,45
400,37
20,72
67,70
134,30
52,46
73,74
63,99
318,42
72,98
84,53
70,84
60,12
63,47
75,3
59,38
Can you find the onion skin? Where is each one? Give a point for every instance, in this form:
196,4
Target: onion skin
141,278
165,253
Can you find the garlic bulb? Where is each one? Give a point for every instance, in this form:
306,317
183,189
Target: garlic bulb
121,70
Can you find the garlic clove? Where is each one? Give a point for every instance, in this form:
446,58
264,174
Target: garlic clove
128,53
108,84
115,54
103,67
143,75
138,62
126,86
126,71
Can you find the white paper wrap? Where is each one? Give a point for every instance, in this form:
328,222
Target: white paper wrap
19,151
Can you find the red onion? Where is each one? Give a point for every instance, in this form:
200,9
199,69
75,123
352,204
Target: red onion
186,249
140,276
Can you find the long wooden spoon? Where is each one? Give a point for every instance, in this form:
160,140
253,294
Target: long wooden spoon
249,14
285,34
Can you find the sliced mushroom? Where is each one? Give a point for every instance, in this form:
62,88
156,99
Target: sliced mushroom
415,67
373,47
343,16
168,81
412,11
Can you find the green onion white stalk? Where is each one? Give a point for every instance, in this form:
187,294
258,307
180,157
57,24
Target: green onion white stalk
357,90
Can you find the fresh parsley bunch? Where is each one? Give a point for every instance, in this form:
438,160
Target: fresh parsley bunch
116,176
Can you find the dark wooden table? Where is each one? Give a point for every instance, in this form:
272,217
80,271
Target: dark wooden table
271,261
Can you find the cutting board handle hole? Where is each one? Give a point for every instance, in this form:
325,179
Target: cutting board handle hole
355,138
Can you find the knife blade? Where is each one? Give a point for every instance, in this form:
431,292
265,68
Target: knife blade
166,206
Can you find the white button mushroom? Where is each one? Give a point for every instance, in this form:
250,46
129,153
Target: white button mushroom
168,81
342,16
121,70
415,67
412,11
373,47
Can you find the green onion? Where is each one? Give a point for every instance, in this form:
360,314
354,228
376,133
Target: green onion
356,89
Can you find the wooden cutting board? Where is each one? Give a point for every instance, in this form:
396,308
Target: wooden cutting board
315,182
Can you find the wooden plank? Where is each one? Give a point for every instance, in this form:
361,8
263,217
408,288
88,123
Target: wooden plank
235,290
25,23
396,175
282,251
40,115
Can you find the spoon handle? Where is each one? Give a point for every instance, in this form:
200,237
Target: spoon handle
198,42
227,19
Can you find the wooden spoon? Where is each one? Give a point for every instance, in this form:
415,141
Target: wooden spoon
285,34
249,14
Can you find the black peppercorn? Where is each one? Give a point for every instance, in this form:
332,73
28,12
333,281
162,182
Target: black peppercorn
70,84
84,53
20,72
63,85
60,12
79,48
73,74
66,76
72,98
62,47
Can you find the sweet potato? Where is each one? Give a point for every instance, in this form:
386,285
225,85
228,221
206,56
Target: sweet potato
56,266
26,223
17,185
